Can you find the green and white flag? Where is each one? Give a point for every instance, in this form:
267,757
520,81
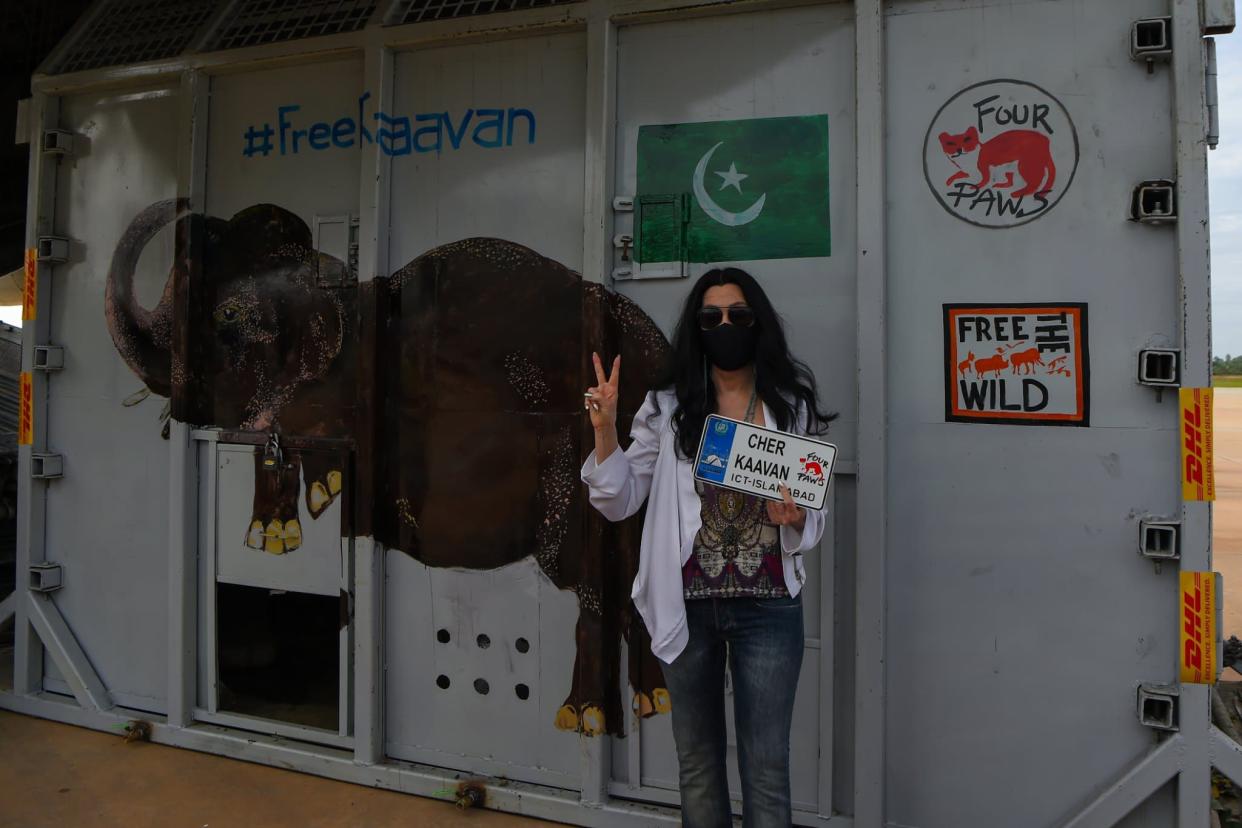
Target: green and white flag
752,189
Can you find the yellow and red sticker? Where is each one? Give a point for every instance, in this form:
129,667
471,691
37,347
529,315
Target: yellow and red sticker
29,285
25,415
1200,592
1198,473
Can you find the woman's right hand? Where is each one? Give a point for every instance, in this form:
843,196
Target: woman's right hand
601,399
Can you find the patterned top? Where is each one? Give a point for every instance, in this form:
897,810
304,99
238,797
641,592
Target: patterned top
737,552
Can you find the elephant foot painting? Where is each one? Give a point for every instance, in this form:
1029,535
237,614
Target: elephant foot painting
450,389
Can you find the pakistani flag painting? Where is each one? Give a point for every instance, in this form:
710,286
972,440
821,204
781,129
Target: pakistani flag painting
744,190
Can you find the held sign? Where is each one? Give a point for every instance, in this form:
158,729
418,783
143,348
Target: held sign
1200,595
753,460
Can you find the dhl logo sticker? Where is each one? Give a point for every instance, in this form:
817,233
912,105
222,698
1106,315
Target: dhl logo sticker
29,285
1200,592
25,415
1198,473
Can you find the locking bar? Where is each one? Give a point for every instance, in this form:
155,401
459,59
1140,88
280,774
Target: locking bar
52,249
48,358
46,577
1154,202
1157,706
46,466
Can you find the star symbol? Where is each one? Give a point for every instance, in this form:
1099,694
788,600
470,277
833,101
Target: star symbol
732,178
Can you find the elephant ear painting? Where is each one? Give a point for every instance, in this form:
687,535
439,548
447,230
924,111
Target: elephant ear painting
453,387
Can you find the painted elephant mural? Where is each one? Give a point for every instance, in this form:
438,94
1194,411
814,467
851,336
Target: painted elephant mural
456,382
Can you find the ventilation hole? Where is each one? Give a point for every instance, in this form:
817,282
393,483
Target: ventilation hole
442,636
442,682
484,642
523,646
523,692
480,686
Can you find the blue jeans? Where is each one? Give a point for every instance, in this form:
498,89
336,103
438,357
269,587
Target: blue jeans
762,639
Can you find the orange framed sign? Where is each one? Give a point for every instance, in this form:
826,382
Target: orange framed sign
1200,595
1021,364
1198,469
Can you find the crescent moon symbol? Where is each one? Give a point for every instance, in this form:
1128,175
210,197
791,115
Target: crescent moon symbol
713,209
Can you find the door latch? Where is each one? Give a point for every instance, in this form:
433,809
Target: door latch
272,455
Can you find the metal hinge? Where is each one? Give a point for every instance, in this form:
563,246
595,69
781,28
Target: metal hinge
1211,97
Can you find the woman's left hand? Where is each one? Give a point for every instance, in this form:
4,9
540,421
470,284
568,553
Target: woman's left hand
786,513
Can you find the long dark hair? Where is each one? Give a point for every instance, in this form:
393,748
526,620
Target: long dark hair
782,381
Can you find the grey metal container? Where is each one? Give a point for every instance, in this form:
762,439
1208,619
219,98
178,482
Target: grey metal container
985,225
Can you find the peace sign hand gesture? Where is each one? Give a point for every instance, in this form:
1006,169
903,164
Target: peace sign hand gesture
601,399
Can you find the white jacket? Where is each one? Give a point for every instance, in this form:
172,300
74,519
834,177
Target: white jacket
620,484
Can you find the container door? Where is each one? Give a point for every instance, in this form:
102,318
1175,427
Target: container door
735,144
1023,453
480,630
273,368
107,517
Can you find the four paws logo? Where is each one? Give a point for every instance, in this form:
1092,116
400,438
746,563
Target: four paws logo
812,469
1000,153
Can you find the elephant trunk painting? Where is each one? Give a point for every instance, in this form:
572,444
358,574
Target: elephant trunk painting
142,336
458,378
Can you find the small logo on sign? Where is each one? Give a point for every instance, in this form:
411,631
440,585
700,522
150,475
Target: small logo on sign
1000,153
813,469
722,428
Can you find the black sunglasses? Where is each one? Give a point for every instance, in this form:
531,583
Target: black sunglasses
711,316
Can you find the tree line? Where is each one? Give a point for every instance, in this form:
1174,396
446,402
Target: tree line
1227,365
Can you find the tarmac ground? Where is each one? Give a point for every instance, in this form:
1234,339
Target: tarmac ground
1227,511
59,776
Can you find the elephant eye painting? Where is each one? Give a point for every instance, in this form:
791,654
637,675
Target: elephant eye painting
460,371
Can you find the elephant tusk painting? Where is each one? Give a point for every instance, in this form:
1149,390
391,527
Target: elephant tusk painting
455,384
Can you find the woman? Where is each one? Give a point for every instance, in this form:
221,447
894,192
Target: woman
720,573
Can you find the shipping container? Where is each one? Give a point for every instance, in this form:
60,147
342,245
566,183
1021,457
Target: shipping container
310,294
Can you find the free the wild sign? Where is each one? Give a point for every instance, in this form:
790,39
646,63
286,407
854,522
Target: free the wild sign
1023,364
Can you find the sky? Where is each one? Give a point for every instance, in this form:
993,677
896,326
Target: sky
1225,193
1225,186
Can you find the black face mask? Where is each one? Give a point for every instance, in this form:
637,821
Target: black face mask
729,347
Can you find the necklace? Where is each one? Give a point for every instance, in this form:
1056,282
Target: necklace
730,502
750,406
